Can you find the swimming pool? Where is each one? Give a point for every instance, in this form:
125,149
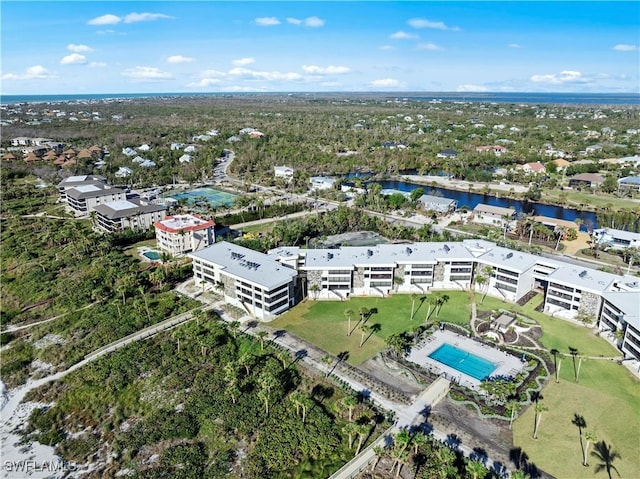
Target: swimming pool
151,255
463,361
212,196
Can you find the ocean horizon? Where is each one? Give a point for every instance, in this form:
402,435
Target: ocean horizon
554,98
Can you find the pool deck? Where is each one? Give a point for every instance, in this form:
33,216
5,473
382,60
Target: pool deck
507,365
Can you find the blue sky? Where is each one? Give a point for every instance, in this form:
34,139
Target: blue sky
207,46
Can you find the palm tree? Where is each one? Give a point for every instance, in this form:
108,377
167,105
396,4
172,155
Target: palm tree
348,313
315,289
476,469
556,364
349,402
362,431
364,312
378,451
606,455
234,326
364,329
513,407
350,429
520,474
443,299
267,383
413,304
431,300
574,353
481,281
261,335
590,436
539,409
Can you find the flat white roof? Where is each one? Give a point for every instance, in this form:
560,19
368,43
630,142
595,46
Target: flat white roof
87,188
121,205
628,303
583,278
249,265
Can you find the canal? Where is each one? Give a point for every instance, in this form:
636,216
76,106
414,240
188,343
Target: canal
470,200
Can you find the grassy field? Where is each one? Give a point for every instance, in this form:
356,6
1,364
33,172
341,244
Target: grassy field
608,397
324,323
593,200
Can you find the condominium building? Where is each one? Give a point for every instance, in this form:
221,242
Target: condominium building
78,180
181,234
127,214
83,199
255,282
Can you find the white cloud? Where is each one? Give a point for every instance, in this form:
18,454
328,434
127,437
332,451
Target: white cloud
179,59
36,72
242,62
428,46
514,45
625,47
313,22
566,76
267,21
204,83
73,59
268,76
424,23
330,70
385,83
402,35
107,19
471,88
385,47
110,19
144,17
146,74
97,65
72,47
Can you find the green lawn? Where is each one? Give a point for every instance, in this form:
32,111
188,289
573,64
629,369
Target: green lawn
324,323
608,397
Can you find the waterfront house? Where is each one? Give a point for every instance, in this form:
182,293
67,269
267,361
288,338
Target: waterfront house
437,203
495,149
322,182
534,167
493,215
591,180
182,234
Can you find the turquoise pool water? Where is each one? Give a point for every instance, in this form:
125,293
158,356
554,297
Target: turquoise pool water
463,361
152,255
212,196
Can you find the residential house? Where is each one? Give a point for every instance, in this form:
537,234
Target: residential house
495,149
128,151
182,234
254,282
534,167
123,172
629,183
447,153
283,172
493,215
618,239
437,203
127,214
322,182
591,180
561,164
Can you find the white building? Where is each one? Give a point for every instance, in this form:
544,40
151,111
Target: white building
437,204
181,234
82,200
252,281
618,239
127,214
283,172
322,182
493,215
78,180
